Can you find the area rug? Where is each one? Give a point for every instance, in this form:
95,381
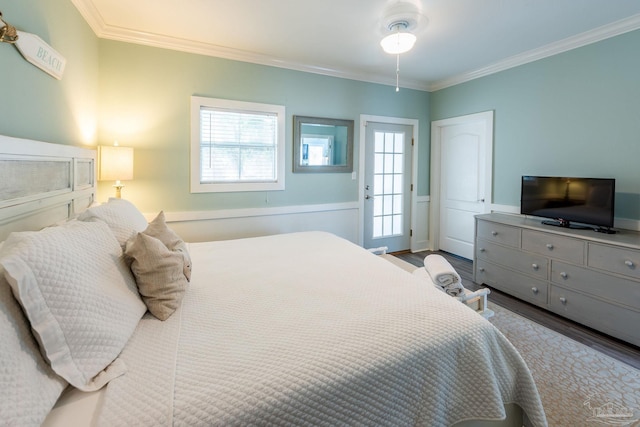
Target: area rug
578,386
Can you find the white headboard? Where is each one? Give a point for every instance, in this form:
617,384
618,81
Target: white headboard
43,183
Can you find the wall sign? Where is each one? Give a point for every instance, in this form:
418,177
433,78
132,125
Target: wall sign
40,54
33,49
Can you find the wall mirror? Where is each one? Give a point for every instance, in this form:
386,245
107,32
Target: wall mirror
322,145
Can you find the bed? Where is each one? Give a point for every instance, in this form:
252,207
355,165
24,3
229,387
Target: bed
293,329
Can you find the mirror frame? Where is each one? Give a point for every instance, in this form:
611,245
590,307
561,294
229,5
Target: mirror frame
298,121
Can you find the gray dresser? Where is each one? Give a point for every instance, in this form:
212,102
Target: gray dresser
588,277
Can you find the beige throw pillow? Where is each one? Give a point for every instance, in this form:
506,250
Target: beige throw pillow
159,274
158,229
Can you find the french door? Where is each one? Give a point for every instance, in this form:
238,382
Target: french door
387,186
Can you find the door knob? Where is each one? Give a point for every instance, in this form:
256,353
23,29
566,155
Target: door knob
367,197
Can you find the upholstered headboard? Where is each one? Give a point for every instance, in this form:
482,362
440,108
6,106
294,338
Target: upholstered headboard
43,183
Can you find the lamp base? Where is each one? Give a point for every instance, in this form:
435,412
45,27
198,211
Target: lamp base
118,188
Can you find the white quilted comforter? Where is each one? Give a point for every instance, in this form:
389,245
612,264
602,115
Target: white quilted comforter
309,329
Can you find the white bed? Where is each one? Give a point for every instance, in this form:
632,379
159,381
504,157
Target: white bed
293,329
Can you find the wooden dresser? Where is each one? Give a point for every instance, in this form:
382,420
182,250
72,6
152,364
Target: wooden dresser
589,277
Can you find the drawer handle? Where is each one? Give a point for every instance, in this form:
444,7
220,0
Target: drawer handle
629,263
564,275
549,246
494,233
563,300
535,266
482,249
481,270
535,290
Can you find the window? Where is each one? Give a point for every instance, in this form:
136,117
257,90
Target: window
236,146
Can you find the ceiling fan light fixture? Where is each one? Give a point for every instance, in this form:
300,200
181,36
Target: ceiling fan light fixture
399,41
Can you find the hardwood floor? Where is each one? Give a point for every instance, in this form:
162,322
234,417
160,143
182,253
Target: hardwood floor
613,347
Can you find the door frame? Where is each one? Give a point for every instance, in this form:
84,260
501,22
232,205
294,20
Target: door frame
364,118
436,171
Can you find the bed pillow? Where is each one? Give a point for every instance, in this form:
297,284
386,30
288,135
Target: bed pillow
158,229
122,217
159,274
30,388
79,296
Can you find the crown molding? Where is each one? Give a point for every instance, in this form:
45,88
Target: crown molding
92,16
104,31
604,32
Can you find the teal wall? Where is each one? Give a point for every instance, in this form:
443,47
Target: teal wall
34,105
145,103
572,114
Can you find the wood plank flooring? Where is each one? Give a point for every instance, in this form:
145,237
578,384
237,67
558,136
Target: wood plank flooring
610,346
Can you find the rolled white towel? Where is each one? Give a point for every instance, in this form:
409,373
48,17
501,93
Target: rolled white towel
440,270
454,289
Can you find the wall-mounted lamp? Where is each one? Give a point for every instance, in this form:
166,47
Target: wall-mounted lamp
116,164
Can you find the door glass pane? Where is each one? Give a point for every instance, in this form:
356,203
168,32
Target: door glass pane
397,183
399,143
378,163
377,226
397,224
397,204
388,143
398,162
388,163
378,188
387,225
388,184
377,206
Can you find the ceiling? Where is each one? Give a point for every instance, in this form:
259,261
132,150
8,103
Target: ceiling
462,39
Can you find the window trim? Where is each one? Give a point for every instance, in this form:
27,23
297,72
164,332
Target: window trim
198,102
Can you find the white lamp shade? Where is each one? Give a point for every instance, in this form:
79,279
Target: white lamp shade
116,163
398,42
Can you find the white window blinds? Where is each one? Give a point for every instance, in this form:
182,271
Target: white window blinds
237,146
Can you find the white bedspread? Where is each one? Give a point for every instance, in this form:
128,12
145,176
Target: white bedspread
309,329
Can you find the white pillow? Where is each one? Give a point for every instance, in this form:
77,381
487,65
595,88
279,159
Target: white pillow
122,217
79,295
30,388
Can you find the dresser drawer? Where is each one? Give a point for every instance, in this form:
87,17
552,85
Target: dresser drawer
499,233
534,265
609,318
518,285
615,259
611,288
551,245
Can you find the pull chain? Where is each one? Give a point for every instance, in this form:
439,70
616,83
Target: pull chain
398,72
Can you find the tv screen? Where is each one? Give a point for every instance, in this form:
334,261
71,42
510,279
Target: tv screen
566,200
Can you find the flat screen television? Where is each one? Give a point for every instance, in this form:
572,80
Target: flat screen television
570,202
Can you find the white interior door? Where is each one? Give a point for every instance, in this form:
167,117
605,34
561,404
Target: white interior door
387,186
463,148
